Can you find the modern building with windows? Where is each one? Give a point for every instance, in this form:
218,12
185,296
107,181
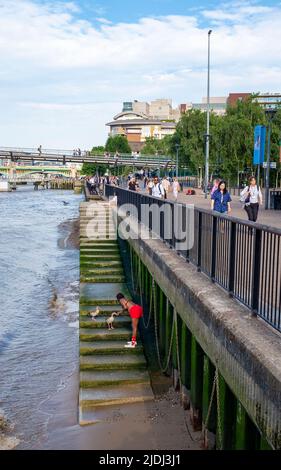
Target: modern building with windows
217,105
269,100
140,120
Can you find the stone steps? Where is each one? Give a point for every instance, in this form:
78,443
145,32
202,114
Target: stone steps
105,279
105,310
112,362
101,264
104,334
110,374
100,321
115,395
100,378
107,347
102,271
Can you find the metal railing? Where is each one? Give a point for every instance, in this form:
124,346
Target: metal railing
244,258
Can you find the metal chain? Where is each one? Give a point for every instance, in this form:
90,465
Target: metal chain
205,425
177,345
219,413
146,325
215,387
132,271
163,369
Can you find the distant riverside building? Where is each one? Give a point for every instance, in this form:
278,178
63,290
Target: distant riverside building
140,120
234,97
217,105
269,100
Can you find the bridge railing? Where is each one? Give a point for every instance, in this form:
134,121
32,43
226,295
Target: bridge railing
83,153
244,258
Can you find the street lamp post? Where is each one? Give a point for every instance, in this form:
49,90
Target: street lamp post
270,112
208,121
177,161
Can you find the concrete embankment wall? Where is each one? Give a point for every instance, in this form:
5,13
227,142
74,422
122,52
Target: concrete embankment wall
244,349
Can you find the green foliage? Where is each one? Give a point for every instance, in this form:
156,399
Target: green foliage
92,168
99,150
231,139
118,143
153,146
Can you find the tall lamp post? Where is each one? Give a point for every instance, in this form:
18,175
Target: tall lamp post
177,161
270,113
208,121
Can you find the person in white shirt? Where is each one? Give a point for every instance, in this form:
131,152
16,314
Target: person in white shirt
157,189
252,199
175,188
166,185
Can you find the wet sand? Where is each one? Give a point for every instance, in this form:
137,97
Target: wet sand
158,425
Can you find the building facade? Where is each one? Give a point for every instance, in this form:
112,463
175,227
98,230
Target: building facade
140,120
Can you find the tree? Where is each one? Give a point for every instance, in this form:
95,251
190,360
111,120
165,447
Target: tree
93,168
118,143
99,150
160,146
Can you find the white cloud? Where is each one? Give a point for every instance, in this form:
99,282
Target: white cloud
58,71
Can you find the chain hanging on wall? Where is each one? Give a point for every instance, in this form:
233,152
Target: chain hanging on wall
162,368
215,387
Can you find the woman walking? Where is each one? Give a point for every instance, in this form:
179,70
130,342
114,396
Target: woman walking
221,199
175,188
252,198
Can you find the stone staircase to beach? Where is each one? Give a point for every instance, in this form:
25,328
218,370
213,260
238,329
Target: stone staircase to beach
109,373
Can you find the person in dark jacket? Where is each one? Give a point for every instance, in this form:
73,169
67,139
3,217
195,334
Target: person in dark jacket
221,199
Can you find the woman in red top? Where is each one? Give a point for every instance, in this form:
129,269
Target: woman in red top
136,312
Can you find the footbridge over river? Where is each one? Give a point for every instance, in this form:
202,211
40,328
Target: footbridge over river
69,156
213,305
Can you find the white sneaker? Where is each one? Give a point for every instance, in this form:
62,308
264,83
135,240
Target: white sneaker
130,344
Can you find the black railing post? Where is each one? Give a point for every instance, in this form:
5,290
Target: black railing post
256,270
199,245
232,258
214,248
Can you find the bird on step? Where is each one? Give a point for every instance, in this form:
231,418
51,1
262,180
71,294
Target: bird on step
65,203
94,313
110,320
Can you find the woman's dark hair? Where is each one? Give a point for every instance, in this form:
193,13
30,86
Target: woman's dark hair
120,296
219,186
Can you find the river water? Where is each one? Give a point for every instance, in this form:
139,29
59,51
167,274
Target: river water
39,281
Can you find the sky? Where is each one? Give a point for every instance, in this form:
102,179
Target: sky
67,66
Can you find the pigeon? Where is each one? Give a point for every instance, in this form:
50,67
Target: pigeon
65,203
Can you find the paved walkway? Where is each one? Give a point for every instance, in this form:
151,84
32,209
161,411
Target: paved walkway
266,217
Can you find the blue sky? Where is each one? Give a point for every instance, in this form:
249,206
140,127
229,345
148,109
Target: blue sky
129,12
67,66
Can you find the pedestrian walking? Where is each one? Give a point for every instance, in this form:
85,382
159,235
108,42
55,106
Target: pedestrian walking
175,188
251,197
221,199
149,186
215,186
166,185
157,189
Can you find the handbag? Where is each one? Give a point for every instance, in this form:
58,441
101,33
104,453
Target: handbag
245,199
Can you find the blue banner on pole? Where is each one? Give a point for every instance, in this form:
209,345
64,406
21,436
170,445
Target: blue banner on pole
259,144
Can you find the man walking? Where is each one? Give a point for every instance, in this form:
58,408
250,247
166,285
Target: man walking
157,188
